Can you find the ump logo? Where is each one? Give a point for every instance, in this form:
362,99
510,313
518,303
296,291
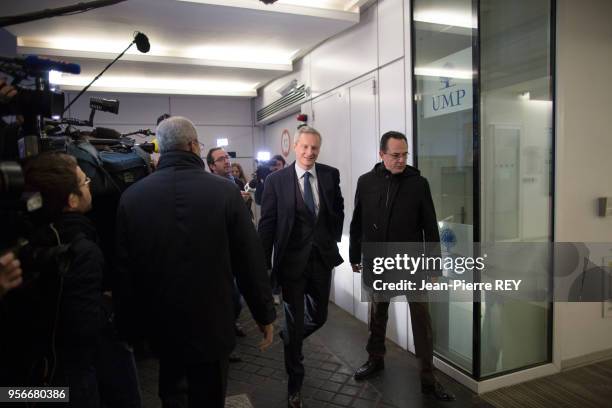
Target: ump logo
448,98
446,81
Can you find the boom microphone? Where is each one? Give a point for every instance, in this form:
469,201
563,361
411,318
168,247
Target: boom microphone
142,42
143,45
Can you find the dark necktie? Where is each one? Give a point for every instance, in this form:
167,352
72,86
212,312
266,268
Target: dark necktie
308,197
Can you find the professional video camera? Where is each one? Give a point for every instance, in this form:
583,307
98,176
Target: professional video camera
111,160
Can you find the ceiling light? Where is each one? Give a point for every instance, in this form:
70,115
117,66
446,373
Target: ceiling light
443,72
85,44
446,17
263,156
524,96
222,142
253,54
159,85
325,4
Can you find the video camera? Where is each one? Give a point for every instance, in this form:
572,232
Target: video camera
112,161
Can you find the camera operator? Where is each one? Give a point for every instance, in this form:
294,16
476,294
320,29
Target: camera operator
66,198
10,273
277,162
89,359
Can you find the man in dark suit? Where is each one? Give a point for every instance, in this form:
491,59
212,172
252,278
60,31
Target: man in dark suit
301,219
393,204
182,236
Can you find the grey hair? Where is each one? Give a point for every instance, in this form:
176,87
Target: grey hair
175,133
307,129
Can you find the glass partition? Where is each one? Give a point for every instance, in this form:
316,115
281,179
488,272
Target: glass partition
516,125
484,138
444,33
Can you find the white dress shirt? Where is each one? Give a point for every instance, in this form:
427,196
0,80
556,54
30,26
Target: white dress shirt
313,183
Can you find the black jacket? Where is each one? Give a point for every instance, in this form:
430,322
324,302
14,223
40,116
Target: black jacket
59,307
392,208
278,210
181,232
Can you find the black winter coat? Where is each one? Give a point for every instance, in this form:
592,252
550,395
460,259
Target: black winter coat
57,310
392,208
182,236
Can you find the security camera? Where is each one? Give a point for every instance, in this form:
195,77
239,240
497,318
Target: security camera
268,1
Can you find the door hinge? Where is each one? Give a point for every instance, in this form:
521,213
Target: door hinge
373,87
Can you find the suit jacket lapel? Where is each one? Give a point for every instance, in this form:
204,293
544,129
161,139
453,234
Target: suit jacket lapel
323,182
289,183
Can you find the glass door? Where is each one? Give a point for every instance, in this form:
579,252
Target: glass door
443,52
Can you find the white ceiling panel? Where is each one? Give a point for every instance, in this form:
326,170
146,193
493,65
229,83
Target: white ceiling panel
250,43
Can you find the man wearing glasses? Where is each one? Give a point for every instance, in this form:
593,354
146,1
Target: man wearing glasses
393,204
219,163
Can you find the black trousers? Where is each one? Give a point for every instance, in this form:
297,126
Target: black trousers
421,331
192,386
305,302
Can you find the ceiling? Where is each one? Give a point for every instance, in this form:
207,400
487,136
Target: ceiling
198,47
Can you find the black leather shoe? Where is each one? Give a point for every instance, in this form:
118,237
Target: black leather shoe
239,331
371,367
295,400
437,391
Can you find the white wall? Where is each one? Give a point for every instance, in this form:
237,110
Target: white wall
584,148
214,117
274,132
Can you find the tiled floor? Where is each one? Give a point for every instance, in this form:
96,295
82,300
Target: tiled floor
331,356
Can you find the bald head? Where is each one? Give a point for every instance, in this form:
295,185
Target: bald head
176,133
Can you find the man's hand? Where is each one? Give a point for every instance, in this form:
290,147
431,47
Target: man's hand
245,196
356,267
268,334
10,273
6,91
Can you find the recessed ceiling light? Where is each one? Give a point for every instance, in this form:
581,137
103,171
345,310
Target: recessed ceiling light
158,85
443,72
446,17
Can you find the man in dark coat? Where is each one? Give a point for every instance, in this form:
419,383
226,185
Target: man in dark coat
63,315
183,234
302,214
393,204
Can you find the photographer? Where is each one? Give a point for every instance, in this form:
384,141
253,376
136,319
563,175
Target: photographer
95,366
66,198
264,169
10,273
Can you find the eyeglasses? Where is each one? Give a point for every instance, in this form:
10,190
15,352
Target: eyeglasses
222,159
85,182
397,156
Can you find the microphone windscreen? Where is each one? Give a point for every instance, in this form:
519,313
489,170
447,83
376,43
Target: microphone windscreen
105,133
142,42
